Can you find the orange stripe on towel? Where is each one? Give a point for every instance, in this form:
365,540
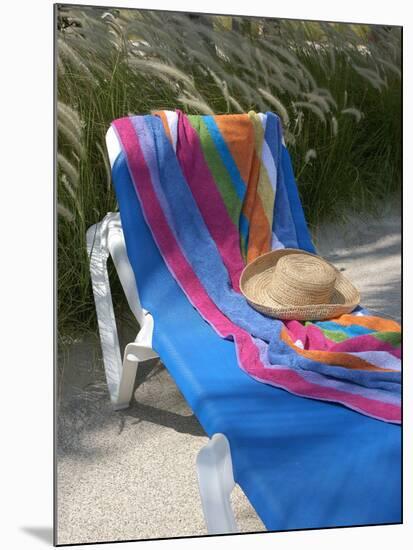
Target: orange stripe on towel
239,135
164,119
368,321
259,237
332,357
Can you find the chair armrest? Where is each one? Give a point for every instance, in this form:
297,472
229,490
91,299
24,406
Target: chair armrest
102,239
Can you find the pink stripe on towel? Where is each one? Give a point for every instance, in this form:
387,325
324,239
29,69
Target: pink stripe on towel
208,199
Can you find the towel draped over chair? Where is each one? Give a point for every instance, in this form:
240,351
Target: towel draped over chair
216,193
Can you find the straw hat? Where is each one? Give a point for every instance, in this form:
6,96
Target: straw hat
293,284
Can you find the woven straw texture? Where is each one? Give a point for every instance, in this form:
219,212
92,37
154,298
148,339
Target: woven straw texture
293,284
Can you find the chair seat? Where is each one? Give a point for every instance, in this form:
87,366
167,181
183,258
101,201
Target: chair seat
302,463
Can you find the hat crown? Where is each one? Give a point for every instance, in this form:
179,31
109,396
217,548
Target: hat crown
300,279
297,288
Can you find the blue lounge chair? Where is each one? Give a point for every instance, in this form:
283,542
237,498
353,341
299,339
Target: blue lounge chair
302,463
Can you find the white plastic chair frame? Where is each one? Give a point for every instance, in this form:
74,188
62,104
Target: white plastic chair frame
214,463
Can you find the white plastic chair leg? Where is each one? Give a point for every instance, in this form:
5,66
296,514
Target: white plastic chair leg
103,239
216,482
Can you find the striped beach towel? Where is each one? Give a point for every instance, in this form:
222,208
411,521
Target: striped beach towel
216,193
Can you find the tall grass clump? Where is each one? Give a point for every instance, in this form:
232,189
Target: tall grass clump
336,88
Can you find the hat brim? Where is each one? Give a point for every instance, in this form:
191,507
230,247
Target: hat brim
254,279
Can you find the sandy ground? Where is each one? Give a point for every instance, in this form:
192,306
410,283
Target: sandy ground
131,474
